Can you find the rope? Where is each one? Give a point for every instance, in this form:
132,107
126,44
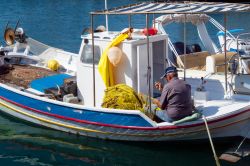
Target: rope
211,142
242,141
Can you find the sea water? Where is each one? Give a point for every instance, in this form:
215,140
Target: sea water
59,23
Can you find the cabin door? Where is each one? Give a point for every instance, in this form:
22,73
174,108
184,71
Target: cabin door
159,62
142,67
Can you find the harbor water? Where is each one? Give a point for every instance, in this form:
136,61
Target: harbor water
59,23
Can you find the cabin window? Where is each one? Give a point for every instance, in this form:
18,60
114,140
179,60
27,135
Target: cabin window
87,55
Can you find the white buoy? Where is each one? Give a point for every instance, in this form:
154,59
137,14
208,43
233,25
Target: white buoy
114,55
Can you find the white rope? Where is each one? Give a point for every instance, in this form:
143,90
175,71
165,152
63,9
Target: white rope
211,142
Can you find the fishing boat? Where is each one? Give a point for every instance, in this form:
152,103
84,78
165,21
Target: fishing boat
63,91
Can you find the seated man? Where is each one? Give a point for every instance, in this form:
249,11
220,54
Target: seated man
175,100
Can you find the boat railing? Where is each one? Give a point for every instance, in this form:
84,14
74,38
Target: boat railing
243,44
243,51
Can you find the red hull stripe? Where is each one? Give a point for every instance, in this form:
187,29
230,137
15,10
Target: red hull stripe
118,126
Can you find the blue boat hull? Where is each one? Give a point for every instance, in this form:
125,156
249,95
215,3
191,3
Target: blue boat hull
109,125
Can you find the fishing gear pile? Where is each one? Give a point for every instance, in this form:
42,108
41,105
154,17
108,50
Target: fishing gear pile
124,97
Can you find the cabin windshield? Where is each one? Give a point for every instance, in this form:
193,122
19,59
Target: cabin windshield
196,52
87,55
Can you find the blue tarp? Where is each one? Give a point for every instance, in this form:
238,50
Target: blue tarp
48,82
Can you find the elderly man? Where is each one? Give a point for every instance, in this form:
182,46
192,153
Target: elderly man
175,100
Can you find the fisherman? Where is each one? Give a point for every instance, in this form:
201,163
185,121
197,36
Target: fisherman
175,101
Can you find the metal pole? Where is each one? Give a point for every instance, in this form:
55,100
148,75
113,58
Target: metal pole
225,49
240,70
239,57
93,56
107,21
149,68
185,50
154,20
129,20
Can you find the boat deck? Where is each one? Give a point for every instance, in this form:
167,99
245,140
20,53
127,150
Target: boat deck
217,108
22,75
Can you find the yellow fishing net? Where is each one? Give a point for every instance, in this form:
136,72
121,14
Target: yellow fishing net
124,97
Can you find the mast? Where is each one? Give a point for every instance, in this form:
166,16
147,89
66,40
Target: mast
93,57
149,66
106,16
225,49
185,46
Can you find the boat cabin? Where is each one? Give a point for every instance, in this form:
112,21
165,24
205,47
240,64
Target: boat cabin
132,69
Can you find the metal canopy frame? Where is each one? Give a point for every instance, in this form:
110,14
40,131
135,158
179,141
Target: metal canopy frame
190,8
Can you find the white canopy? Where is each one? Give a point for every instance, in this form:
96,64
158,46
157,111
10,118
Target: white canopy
186,7
181,18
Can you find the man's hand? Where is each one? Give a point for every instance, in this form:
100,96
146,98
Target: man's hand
158,86
156,102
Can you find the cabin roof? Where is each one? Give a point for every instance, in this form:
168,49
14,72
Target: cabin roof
186,7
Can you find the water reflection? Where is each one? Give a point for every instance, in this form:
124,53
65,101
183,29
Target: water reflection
24,143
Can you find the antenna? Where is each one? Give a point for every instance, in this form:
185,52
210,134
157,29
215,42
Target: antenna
7,25
16,25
